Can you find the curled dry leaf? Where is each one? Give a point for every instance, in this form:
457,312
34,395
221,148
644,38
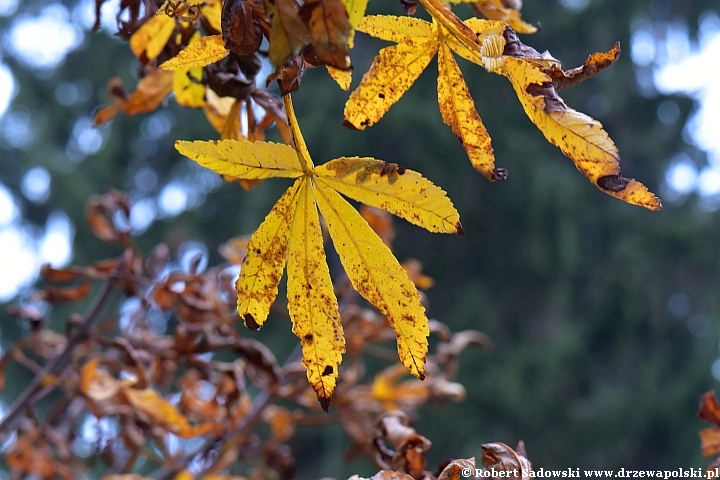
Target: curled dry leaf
454,470
710,441
502,458
289,32
709,409
233,250
57,295
31,455
151,90
161,413
381,223
58,274
241,26
413,268
100,211
329,32
281,421
593,65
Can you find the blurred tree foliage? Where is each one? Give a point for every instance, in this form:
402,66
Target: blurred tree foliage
591,366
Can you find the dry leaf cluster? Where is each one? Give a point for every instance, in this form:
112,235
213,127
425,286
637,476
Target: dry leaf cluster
202,383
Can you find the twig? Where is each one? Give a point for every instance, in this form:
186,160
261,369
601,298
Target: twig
28,398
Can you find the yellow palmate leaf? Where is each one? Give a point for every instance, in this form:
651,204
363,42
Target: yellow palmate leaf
402,192
458,111
163,414
243,158
152,36
311,299
341,77
356,11
212,12
396,29
377,276
198,53
392,73
149,93
265,259
578,136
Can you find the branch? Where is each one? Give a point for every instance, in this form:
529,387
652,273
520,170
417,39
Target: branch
29,396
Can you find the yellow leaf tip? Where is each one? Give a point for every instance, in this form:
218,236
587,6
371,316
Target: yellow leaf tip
629,190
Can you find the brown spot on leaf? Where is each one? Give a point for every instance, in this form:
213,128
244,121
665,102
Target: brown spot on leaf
328,371
614,183
553,103
250,322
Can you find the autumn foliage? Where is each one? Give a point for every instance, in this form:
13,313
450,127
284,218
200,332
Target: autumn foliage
207,54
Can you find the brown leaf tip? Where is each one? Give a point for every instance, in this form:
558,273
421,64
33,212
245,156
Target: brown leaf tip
325,403
458,229
348,124
250,322
499,175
